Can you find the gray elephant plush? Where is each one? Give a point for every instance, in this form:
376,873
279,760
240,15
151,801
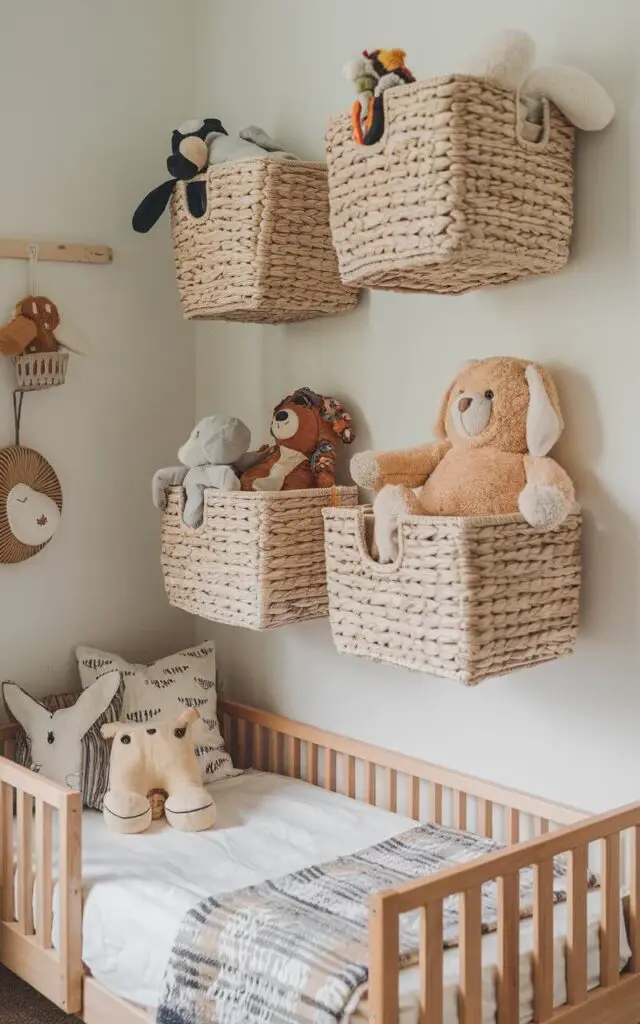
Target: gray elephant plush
208,458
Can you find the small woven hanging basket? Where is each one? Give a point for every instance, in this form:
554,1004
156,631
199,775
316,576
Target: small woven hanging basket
466,599
38,370
454,196
262,251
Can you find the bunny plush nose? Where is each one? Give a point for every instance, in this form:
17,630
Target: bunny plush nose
281,416
464,404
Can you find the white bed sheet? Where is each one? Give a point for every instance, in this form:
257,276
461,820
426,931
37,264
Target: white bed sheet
138,888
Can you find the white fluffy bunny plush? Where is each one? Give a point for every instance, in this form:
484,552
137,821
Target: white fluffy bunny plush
507,59
208,457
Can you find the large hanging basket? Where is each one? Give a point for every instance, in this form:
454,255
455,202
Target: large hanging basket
262,251
466,598
258,558
39,370
454,196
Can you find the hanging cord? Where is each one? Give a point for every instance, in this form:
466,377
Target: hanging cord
33,269
18,398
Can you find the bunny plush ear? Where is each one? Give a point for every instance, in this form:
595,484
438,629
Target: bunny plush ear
339,418
544,419
23,707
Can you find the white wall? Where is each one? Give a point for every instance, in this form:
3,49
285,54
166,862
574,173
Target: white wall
89,92
568,729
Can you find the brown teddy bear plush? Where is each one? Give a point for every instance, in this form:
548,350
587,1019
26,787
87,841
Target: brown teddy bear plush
146,759
498,421
305,427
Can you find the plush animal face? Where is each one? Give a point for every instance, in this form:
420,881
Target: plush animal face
502,403
56,737
147,756
304,419
190,147
215,441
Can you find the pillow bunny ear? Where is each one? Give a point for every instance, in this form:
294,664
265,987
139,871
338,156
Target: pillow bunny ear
22,707
339,418
544,420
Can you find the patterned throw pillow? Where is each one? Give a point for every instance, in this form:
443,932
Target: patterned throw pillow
60,738
160,691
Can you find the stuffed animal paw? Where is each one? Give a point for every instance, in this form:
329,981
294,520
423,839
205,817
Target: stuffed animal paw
364,469
544,506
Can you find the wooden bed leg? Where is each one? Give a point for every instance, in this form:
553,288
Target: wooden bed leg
384,970
70,902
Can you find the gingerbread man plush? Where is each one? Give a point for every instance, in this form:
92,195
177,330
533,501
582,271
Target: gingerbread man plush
498,421
31,328
305,427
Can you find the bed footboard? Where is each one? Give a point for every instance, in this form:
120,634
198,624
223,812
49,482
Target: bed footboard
617,999
37,815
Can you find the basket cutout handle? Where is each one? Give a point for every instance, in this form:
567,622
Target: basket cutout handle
543,141
368,561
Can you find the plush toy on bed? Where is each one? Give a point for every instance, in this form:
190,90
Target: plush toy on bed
498,421
151,758
215,444
306,427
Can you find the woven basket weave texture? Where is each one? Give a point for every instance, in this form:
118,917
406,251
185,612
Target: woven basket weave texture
466,599
262,252
257,560
451,198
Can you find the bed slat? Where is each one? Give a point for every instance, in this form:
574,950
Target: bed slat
44,888
370,783
242,742
8,908
610,925
513,825
435,803
393,790
25,863
509,949
330,769
459,809
634,897
577,926
430,964
274,751
485,818
258,748
412,797
470,1007
351,777
384,938
543,940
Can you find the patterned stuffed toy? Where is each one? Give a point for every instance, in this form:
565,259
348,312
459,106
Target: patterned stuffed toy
305,427
150,759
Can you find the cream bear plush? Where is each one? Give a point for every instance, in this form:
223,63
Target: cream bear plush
161,757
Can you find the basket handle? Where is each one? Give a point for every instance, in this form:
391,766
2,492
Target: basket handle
541,143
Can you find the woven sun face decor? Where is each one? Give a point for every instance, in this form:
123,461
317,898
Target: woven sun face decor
30,503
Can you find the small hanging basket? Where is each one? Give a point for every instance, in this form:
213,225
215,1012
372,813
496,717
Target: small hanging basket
38,370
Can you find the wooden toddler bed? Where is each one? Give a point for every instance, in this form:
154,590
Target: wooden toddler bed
421,791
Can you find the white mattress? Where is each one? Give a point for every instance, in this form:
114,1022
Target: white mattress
138,888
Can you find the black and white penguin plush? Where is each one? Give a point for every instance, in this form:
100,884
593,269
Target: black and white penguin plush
189,155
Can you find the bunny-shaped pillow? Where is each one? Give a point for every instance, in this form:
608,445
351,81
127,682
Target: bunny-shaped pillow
65,745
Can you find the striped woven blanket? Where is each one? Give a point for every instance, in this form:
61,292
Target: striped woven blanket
296,949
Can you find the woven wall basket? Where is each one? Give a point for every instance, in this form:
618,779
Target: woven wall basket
262,252
451,198
256,561
466,599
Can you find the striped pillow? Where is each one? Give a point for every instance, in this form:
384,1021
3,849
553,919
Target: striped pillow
94,769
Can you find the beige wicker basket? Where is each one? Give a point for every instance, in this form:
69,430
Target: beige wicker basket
466,599
452,198
256,561
39,370
262,252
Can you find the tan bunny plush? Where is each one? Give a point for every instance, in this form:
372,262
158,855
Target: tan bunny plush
498,421
155,757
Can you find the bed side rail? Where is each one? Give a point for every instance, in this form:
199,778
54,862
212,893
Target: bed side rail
618,995
422,791
37,819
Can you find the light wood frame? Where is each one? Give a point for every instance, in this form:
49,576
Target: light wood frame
422,791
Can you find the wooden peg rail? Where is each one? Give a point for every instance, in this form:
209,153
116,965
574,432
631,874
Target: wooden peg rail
57,252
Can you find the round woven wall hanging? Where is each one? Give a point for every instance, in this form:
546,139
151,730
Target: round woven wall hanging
30,503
